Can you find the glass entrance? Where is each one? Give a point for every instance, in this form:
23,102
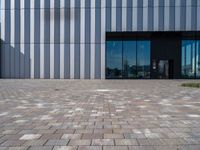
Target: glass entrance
165,69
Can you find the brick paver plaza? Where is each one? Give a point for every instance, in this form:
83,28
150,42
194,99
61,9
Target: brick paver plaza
99,115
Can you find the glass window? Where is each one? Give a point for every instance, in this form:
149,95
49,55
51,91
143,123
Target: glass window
188,58
198,59
129,59
143,59
114,59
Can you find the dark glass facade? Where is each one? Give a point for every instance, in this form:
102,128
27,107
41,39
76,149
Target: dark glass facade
128,59
153,55
191,58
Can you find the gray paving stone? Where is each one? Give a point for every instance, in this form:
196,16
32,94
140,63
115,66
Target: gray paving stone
115,147
102,142
79,142
41,148
90,148
65,148
57,142
126,142
98,114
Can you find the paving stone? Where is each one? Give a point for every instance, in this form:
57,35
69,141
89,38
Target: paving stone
142,148
57,142
18,148
143,142
92,136
102,142
113,136
41,148
51,136
168,148
35,142
156,142
30,136
140,114
115,147
126,142
134,135
10,143
79,142
65,148
71,136
90,148
4,148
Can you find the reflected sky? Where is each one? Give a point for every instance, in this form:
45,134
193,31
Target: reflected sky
191,58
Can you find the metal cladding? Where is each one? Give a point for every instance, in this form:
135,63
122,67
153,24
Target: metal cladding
66,38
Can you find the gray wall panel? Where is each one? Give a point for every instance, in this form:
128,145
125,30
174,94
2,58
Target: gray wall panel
67,26
161,18
7,60
56,61
119,15
129,18
87,25
87,61
183,17
98,61
119,19
37,4
7,26
7,4
87,3
47,4
98,26
77,3
57,26
77,25
37,26
194,18
22,64
150,18
57,4
47,61
67,61
2,55
172,19
139,18
108,15
12,61
37,61
198,18
27,61
17,41
98,4
27,26
17,60
77,62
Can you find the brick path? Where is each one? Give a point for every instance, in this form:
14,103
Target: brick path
98,115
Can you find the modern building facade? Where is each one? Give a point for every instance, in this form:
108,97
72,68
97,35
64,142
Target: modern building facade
100,39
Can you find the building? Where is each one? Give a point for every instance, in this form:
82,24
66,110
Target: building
100,39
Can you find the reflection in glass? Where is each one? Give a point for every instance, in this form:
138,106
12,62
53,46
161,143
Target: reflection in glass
198,59
188,58
114,59
143,59
129,59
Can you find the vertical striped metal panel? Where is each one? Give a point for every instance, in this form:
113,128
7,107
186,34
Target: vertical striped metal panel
66,38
